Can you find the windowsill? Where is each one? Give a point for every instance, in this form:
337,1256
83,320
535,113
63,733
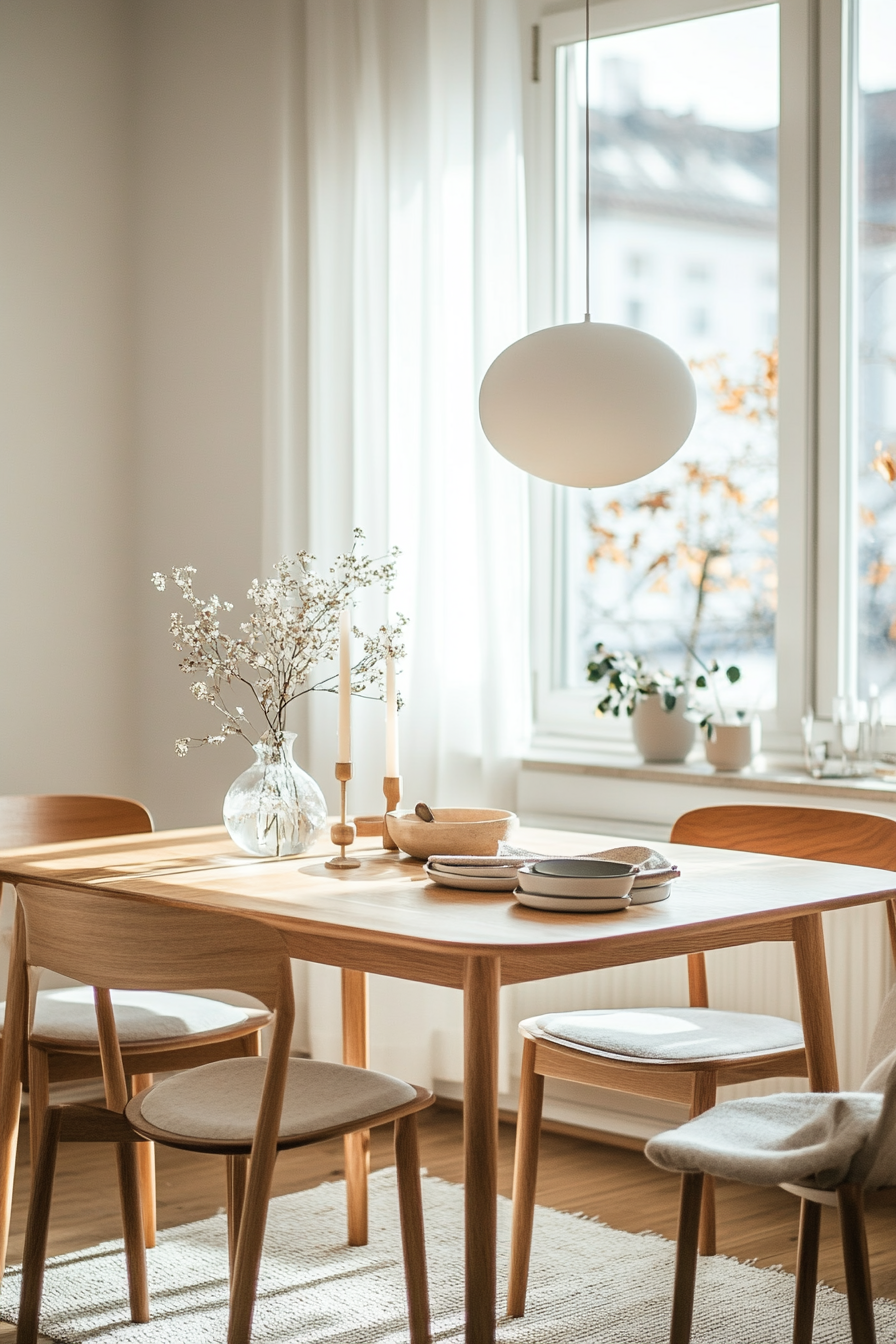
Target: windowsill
769,773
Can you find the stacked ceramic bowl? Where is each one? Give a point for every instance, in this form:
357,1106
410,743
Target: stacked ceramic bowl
586,886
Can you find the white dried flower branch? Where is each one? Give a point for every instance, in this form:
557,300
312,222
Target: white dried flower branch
293,627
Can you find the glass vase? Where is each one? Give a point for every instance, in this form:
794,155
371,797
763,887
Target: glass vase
274,808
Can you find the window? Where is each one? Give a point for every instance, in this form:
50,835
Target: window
873,363
737,549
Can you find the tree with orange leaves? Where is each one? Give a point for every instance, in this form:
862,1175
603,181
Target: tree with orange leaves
697,540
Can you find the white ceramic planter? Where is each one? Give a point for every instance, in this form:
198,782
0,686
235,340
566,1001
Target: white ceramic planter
733,745
662,735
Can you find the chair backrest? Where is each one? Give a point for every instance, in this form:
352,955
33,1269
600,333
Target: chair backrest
113,942
54,818
792,832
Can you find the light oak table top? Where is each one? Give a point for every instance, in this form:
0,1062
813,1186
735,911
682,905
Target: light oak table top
385,917
722,899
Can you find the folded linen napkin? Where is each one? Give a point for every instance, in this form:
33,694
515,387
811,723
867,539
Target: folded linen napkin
654,868
477,860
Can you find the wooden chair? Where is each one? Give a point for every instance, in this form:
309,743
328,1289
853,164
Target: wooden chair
787,1140
159,1032
608,1061
239,1108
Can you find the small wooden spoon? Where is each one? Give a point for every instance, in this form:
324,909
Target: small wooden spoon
423,812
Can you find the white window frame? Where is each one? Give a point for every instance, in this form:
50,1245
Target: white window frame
815,612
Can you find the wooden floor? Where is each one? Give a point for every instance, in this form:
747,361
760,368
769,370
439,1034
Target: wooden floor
618,1186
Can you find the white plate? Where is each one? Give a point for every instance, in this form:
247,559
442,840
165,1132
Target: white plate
578,905
647,895
494,873
487,885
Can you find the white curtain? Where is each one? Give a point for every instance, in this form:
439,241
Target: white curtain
416,264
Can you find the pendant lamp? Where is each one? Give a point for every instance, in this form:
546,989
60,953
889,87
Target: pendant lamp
588,403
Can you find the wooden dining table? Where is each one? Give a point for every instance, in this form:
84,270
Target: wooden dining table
385,917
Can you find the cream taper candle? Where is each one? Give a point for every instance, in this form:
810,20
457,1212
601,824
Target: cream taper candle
391,720
344,746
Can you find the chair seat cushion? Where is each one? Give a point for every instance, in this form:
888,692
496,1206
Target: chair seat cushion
67,1016
668,1033
220,1101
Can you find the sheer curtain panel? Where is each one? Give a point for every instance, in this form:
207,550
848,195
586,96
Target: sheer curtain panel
416,264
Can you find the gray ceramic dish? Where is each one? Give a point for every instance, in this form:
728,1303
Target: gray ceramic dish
588,879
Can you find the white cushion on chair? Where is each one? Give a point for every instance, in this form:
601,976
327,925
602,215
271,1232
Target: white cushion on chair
68,1015
220,1101
668,1033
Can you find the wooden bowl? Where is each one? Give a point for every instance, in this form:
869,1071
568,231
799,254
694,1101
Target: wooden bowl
456,830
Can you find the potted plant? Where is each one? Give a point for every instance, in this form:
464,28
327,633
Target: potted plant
654,700
732,739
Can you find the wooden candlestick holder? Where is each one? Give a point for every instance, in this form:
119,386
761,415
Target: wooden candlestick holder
343,832
392,791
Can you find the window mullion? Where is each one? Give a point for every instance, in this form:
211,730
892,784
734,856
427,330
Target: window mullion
835,568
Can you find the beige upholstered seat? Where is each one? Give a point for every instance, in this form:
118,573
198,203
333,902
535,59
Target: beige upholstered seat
68,1017
692,1034
220,1102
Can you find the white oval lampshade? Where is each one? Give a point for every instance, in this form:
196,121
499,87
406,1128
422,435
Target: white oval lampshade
588,403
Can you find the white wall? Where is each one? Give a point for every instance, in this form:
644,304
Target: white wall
64,397
144,155
211,101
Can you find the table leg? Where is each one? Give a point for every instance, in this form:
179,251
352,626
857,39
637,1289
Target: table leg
356,1050
815,1003
15,1030
482,981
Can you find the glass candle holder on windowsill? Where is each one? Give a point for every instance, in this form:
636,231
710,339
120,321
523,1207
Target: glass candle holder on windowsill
814,753
853,736
849,754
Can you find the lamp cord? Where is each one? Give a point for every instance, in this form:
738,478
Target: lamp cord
587,160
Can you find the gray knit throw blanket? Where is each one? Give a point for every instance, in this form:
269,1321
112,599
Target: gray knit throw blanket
799,1138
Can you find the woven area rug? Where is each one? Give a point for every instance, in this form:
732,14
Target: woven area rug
589,1283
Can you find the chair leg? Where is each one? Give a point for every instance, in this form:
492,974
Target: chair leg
132,1227
146,1169
35,1251
525,1175
38,1098
686,1257
806,1272
851,1206
356,1148
703,1099
708,1217
237,1170
410,1204
244,1282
